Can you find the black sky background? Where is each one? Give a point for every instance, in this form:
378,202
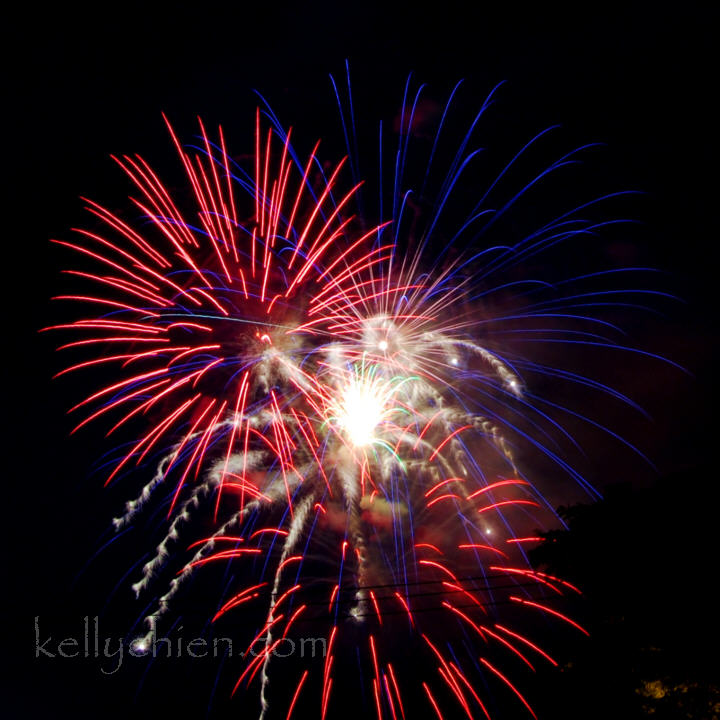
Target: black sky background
83,84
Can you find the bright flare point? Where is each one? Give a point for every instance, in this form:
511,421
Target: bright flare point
361,412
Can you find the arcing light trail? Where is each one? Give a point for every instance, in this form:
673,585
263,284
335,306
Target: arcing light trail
310,389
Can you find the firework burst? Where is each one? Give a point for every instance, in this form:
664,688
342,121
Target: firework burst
309,388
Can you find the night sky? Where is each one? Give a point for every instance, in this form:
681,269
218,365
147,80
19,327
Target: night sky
83,85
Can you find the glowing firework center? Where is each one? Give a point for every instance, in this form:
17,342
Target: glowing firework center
361,412
365,404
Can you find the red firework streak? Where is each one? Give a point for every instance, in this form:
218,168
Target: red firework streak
260,344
